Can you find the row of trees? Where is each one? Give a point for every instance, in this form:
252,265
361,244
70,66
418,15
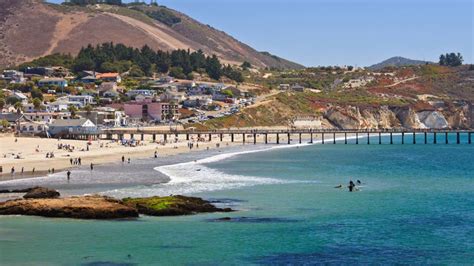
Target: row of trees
109,57
451,59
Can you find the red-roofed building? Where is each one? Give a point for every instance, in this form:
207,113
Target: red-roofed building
109,77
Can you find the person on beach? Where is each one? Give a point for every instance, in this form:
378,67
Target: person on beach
52,170
156,154
351,186
92,166
128,160
33,171
68,175
22,170
123,159
13,170
79,160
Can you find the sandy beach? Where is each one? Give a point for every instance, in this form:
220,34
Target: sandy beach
30,153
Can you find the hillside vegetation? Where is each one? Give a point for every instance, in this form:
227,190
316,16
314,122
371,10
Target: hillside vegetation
32,28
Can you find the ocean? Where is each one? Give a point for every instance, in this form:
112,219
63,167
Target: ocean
415,206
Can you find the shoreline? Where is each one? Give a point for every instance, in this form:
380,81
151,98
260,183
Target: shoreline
164,151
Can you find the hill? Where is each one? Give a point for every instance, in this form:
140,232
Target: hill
32,28
397,61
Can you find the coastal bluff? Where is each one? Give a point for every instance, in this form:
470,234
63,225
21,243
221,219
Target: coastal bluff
46,202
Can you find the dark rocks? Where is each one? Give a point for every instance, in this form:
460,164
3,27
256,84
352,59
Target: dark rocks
41,193
86,207
46,202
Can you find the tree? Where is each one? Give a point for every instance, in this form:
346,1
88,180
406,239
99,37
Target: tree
73,110
213,67
18,106
2,103
88,109
12,100
36,93
4,123
246,65
37,103
451,59
177,72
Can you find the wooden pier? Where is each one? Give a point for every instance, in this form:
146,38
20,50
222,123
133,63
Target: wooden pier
346,136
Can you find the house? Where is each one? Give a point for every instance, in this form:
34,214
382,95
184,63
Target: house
77,126
32,127
46,116
88,79
173,95
60,105
134,93
284,87
218,96
297,87
81,100
151,111
20,96
109,77
105,116
48,82
41,71
197,101
13,76
13,119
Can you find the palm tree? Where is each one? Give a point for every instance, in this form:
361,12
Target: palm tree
72,109
88,109
19,107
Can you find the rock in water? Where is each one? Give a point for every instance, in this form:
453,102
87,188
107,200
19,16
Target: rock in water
41,193
84,207
172,205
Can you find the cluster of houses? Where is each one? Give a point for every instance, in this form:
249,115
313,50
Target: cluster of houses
100,100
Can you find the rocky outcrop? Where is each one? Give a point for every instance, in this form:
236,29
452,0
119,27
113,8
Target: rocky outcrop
432,119
86,207
100,207
41,193
172,205
344,117
352,117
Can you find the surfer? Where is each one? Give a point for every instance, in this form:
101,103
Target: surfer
339,186
351,186
358,182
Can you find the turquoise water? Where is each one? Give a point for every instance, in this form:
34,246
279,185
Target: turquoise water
416,206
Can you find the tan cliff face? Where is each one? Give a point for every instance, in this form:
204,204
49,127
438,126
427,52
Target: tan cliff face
351,117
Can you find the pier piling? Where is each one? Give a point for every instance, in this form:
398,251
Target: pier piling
435,138
357,138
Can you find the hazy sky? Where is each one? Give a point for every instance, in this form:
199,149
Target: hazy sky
341,32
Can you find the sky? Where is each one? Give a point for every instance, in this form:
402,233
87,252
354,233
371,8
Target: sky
341,32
